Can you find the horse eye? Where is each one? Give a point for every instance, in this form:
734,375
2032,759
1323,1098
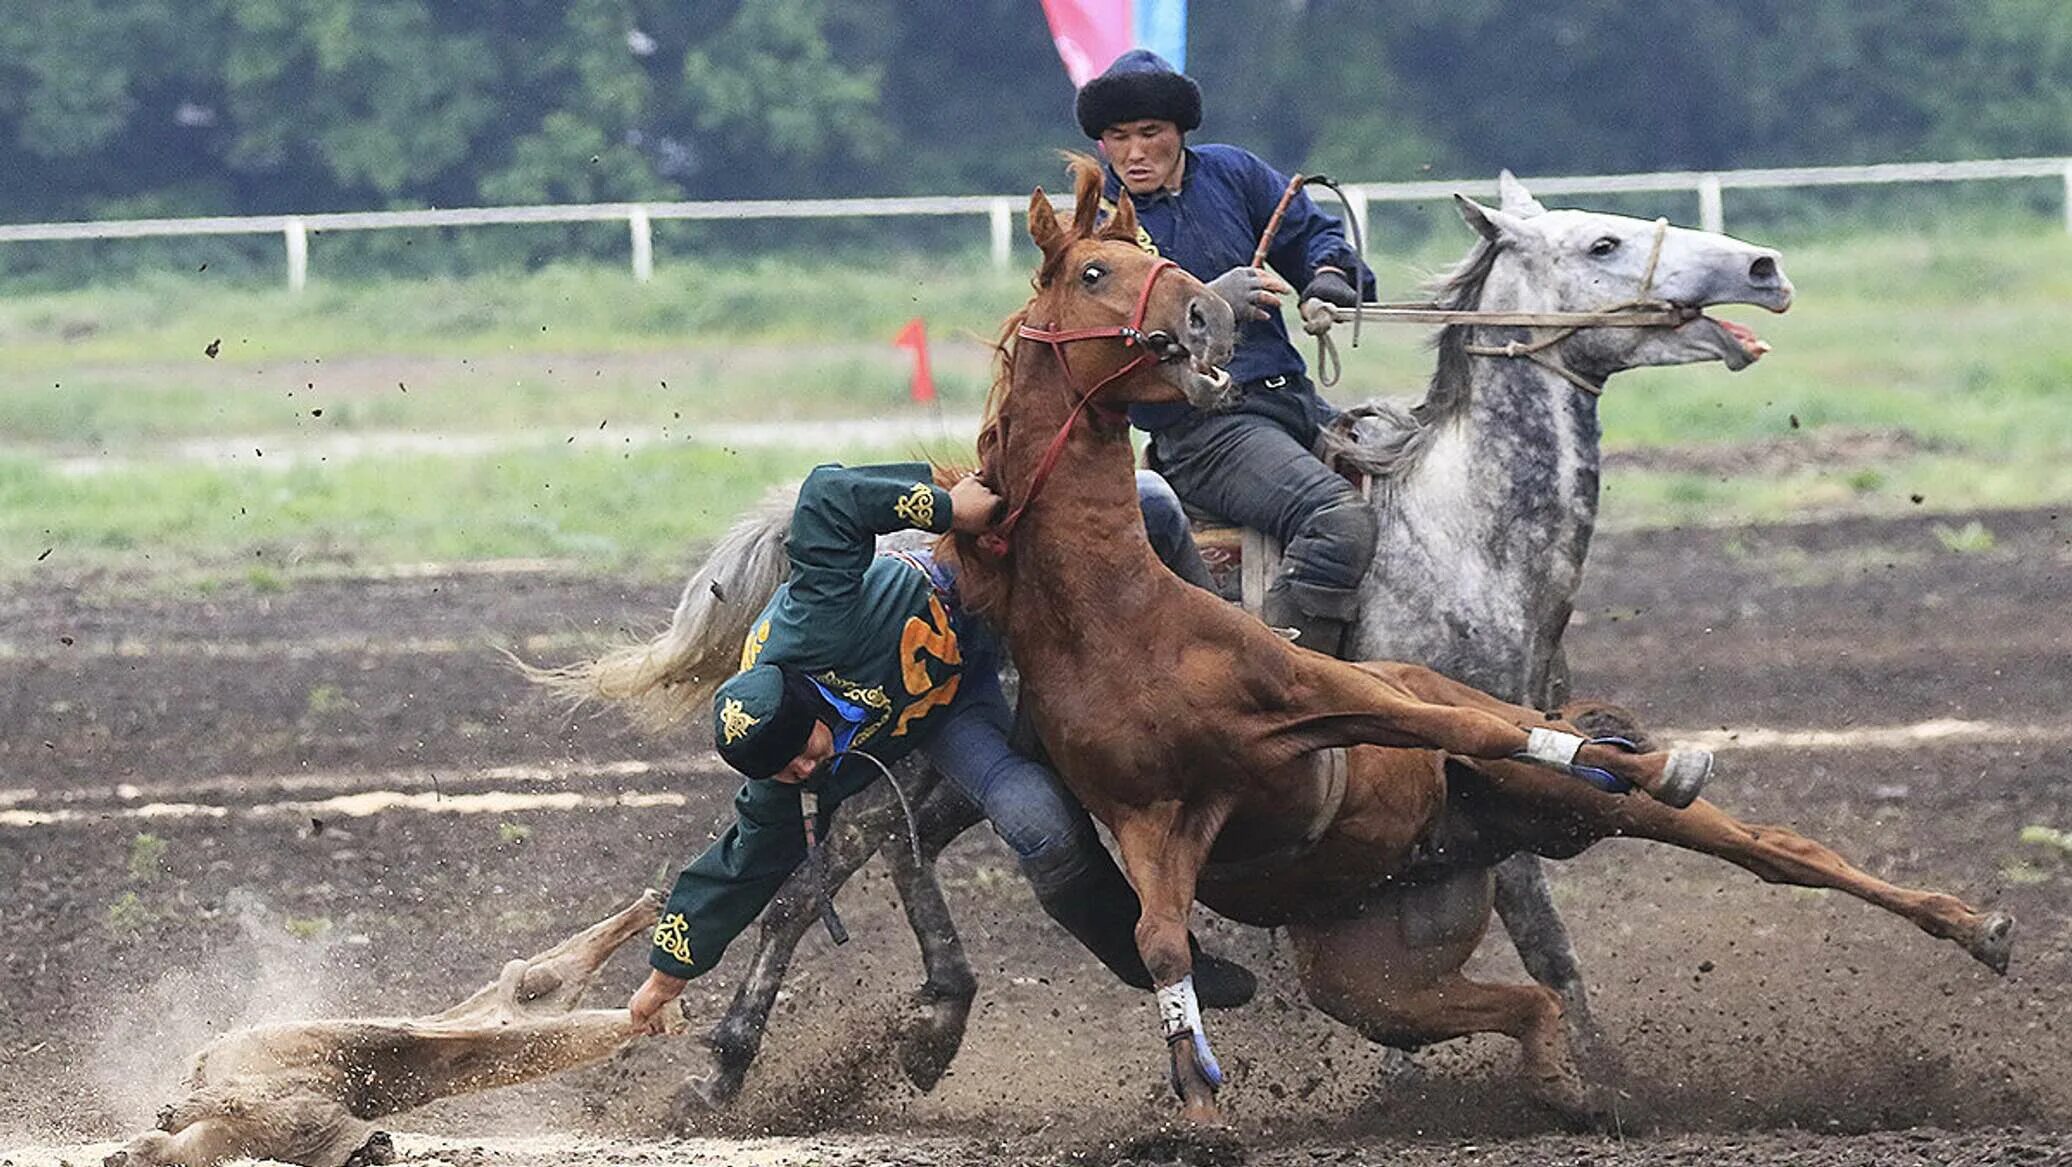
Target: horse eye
1092,274
1604,246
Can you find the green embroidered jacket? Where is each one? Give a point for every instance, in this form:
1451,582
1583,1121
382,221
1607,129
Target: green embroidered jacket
873,631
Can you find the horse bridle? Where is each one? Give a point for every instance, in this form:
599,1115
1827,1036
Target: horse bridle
995,541
1643,311
1623,315
1640,312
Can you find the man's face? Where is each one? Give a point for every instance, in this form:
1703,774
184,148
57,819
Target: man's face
1145,153
820,746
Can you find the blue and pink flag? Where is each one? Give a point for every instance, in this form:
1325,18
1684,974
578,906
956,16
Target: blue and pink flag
1090,34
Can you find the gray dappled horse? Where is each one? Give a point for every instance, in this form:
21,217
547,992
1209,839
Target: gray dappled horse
1486,496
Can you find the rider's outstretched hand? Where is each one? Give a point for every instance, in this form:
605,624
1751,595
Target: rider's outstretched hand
1252,292
645,1011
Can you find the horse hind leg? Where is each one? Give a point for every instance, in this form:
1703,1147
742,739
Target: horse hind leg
737,1038
1525,905
1393,974
1780,855
1418,708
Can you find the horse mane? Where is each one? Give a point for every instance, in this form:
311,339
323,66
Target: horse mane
983,581
1388,435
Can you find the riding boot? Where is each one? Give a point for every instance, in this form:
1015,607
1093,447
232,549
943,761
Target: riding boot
1099,908
1280,609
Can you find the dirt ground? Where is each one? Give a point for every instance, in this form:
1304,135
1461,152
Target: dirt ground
238,805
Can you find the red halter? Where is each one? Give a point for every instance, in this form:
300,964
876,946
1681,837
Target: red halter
995,541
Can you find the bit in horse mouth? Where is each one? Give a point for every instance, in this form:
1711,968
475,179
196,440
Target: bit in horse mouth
1171,352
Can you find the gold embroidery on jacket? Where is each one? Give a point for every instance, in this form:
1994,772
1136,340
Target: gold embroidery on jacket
673,936
918,507
752,648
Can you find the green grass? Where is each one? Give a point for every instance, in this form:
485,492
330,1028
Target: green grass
1956,339
636,510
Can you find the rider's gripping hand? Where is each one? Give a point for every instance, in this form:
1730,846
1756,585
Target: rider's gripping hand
973,506
1331,286
647,1010
1252,292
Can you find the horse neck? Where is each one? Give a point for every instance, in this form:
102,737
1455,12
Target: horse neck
1083,531
1529,442
1489,525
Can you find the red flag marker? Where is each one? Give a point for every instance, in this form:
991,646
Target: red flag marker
915,336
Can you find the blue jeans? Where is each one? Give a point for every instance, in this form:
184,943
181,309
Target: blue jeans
1028,805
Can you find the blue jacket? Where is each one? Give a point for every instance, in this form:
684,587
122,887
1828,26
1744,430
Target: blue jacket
1212,224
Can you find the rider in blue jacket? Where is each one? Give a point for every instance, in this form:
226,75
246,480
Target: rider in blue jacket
1205,207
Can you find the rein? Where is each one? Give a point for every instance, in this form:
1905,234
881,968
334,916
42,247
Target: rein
1329,366
1643,311
995,541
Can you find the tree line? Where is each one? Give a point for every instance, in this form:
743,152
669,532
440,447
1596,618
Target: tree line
167,107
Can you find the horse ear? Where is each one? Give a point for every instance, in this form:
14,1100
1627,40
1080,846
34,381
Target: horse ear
1044,227
1515,198
1123,223
1488,222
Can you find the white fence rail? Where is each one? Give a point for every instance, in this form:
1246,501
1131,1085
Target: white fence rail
999,210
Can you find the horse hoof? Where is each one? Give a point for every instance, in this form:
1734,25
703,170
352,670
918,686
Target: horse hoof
1682,779
696,1104
1576,1106
1196,1142
931,1041
1993,945
377,1151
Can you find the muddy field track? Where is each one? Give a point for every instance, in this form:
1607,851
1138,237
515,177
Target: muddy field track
224,807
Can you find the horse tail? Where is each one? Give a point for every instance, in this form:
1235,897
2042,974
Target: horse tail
666,680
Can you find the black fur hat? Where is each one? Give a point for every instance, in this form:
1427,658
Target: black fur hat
1138,85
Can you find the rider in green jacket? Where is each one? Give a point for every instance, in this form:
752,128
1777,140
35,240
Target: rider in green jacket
872,653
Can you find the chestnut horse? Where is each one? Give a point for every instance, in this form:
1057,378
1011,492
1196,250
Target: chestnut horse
1209,746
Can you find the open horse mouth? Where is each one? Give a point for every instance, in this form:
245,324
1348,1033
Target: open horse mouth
1738,345
1212,378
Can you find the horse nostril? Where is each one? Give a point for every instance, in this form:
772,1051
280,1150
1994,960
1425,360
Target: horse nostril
1197,320
1763,272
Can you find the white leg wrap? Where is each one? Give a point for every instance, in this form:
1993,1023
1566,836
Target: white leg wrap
1178,1010
1552,746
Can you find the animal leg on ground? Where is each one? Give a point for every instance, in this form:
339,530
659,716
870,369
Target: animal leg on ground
865,824
943,1003
1366,973
1525,904
314,1131
1163,848
1410,706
